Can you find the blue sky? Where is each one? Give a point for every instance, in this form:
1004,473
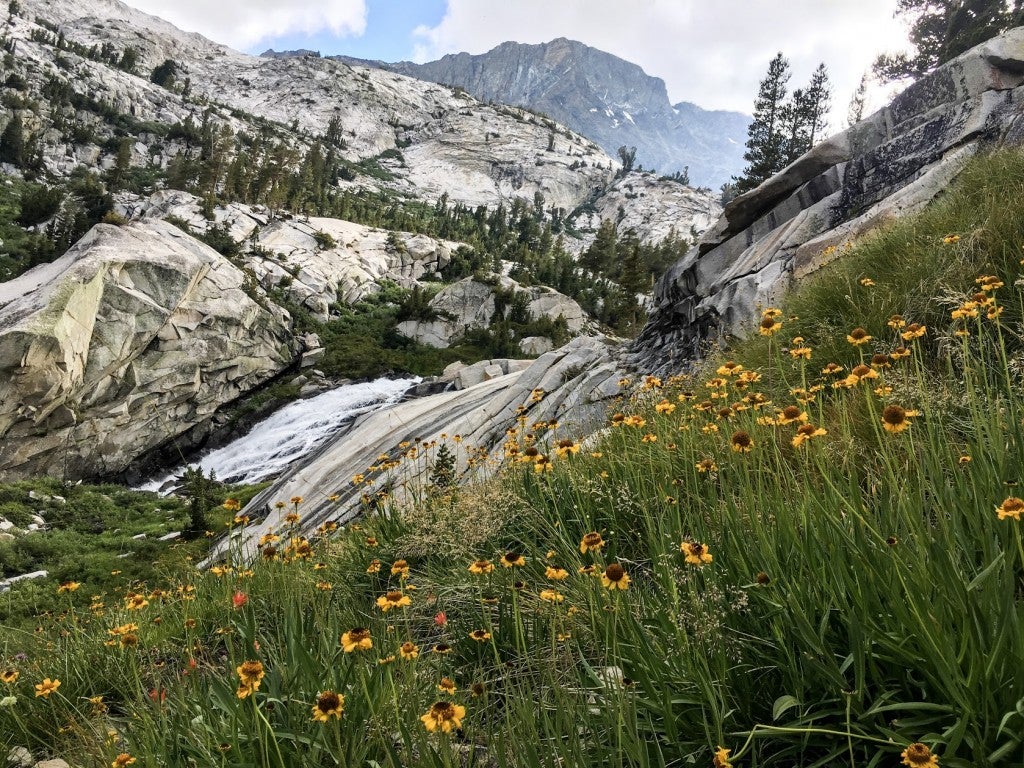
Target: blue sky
388,36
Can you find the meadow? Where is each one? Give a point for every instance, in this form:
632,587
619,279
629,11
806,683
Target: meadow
807,551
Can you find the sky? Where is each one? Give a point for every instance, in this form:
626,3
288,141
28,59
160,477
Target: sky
713,54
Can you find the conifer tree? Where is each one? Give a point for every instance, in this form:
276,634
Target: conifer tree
600,256
855,112
12,142
766,141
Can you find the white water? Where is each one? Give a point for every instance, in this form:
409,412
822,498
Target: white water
292,432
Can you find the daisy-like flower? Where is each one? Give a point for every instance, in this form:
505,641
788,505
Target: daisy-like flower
555,573
729,368
1011,507
564,448
917,755
400,568
721,758
867,282
706,465
832,369
896,419
441,649
858,336
408,650
615,577
800,352
374,566
444,716
791,414
123,759
696,554
741,442
446,685
914,331
9,676
232,505
393,599
481,567
513,559
551,596
664,407
135,602
805,432
863,372
357,639
328,704
951,239
292,518
480,635
899,353
250,675
591,542
896,322
47,687
769,326
69,586
880,361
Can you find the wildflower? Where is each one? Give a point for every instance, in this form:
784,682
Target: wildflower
122,760
880,361
805,432
591,542
481,567
949,240
964,459
393,599
800,352
565,448
896,419
914,331
480,635
966,311
993,313
441,649
477,690
551,596
729,368
896,322
741,442
371,541
721,758
899,353
386,659
1011,507
652,382
537,395
863,372
513,559
47,687
324,586
443,716
791,414
858,336
555,574
8,701
135,602
696,554
446,685
269,538
68,586
664,407
615,577
706,465
649,438
328,704
400,568
374,566
762,578
624,383
239,599
409,650
769,326
9,676
917,755
291,518
832,369
250,675
232,505
635,421
542,464
989,282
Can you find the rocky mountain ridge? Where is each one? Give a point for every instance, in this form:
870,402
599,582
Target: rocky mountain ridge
601,96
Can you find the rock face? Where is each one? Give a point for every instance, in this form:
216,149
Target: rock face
133,336
318,262
653,208
578,378
470,304
603,97
890,164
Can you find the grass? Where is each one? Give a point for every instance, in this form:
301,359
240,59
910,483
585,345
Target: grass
841,602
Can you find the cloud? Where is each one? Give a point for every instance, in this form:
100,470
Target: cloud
245,23
711,53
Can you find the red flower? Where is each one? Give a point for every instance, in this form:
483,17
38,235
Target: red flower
158,695
239,599
440,619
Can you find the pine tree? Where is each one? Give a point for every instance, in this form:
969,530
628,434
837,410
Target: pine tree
855,112
12,142
941,30
817,103
765,138
600,256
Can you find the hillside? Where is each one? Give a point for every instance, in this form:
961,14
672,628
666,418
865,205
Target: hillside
818,564
605,98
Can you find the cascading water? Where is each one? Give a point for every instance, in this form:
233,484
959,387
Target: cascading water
292,432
